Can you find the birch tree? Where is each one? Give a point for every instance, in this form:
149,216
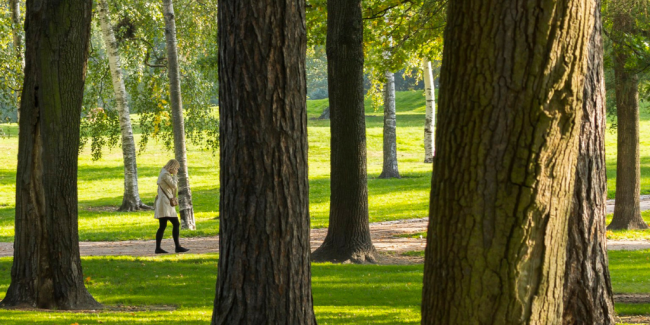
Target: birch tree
430,117
390,169
17,38
131,199
184,192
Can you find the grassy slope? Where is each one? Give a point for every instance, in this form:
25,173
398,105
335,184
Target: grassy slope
101,183
343,294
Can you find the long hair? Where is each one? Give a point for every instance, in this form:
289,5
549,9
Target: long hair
171,164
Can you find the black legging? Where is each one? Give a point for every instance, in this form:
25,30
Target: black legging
161,230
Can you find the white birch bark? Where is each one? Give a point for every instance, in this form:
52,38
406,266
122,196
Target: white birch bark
131,200
184,192
18,42
390,130
429,122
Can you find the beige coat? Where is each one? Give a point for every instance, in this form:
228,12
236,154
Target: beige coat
168,183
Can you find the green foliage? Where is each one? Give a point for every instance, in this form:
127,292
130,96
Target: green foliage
102,128
316,68
11,78
101,182
398,34
631,40
139,28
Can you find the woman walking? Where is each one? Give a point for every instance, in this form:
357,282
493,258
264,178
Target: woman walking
165,205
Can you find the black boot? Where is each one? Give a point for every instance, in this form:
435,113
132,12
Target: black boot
160,251
180,249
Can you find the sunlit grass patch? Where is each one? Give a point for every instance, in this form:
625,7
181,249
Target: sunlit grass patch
101,183
630,234
343,294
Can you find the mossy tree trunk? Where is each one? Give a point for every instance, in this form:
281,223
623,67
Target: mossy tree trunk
390,169
506,148
46,271
348,234
131,198
588,297
627,211
184,191
264,274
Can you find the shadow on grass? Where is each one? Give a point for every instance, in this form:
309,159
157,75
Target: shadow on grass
343,294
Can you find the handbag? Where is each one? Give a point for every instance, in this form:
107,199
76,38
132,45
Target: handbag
172,200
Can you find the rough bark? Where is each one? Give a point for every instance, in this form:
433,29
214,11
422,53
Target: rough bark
430,117
264,274
131,199
46,271
348,234
17,37
588,295
184,192
389,169
503,178
627,212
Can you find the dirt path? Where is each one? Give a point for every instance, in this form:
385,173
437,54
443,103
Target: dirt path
645,204
385,236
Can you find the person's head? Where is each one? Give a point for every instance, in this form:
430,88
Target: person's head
172,166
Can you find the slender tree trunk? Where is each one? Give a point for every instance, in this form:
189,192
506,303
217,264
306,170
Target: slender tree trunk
348,235
627,212
506,151
588,295
390,130
264,265
430,119
131,200
18,38
46,271
184,192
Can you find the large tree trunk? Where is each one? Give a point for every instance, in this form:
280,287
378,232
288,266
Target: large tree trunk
503,177
430,118
348,235
131,200
17,37
184,192
46,271
588,295
390,130
264,274
627,212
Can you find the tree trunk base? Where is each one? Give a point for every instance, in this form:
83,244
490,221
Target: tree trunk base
618,224
131,206
357,255
26,300
389,174
187,219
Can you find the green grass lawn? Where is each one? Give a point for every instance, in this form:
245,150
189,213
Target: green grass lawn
101,182
343,294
